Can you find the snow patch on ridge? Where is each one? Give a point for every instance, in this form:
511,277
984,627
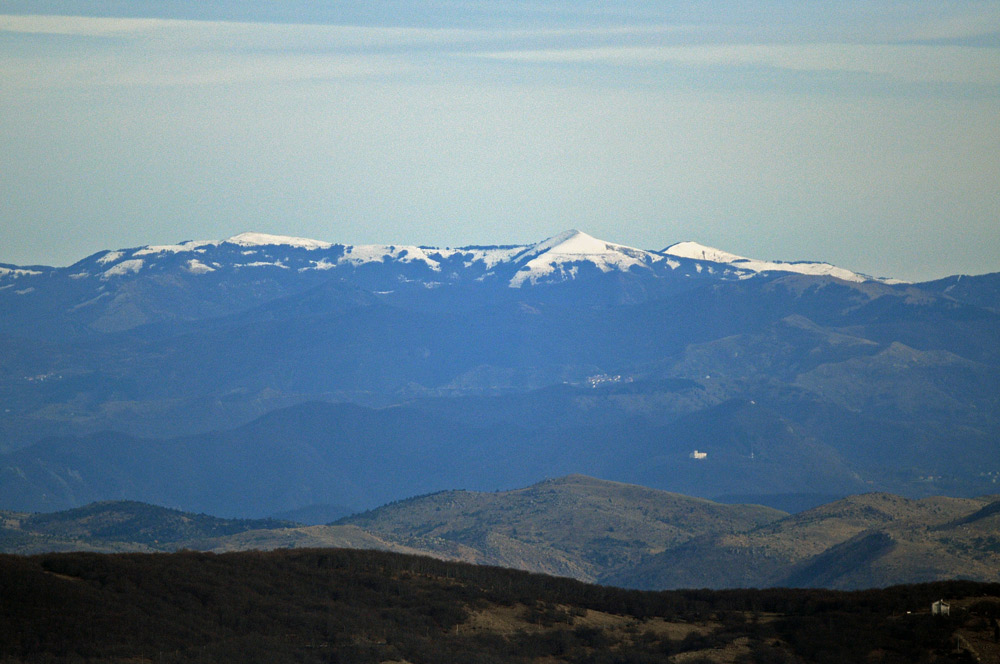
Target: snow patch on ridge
195,266
321,264
377,253
431,256
262,264
490,256
16,272
123,268
190,245
265,239
700,252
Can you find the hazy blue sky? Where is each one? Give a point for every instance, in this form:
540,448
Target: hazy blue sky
866,134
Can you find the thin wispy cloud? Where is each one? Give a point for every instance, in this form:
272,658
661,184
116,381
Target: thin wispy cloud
195,32
142,52
209,69
221,31
470,123
176,51
156,51
950,64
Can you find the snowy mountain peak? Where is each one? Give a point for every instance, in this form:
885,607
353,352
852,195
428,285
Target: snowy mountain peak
572,242
557,258
266,239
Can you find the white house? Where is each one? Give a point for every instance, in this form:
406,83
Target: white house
941,608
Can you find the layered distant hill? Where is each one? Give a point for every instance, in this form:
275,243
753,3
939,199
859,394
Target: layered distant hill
591,530
264,374
636,537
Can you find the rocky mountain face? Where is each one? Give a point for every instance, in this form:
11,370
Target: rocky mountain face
320,375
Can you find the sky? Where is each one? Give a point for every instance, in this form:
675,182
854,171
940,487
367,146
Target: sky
865,134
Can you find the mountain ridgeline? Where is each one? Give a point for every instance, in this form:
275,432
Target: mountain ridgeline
322,605
588,529
265,375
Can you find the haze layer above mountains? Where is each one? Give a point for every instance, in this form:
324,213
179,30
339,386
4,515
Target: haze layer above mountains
306,373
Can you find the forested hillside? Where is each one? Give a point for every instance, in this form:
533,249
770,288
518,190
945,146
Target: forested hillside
355,606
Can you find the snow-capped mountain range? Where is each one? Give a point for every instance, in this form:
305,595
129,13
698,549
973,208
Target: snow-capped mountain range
484,367
558,258
120,289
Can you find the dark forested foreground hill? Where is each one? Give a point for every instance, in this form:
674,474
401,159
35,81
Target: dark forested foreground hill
362,606
591,530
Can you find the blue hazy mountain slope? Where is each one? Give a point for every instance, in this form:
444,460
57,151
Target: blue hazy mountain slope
569,355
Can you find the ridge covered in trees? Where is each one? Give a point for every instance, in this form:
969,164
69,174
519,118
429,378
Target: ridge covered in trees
338,605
